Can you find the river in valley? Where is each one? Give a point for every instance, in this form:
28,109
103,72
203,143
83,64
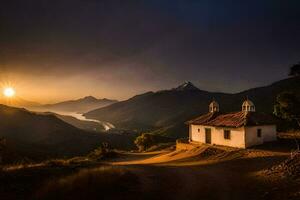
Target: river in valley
106,125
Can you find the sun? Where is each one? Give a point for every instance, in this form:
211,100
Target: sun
9,92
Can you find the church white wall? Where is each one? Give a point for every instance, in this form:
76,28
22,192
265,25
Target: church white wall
242,137
217,135
195,135
268,134
237,137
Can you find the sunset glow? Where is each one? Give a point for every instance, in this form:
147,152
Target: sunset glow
9,92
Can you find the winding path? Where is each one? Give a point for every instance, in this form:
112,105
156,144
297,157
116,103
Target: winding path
231,176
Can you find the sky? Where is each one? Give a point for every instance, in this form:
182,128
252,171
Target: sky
52,50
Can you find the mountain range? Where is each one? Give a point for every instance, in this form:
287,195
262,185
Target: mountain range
19,102
164,112
81,105
77,106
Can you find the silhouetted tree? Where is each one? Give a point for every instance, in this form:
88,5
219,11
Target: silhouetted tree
287,107
295,70
106,148
101,152
144,141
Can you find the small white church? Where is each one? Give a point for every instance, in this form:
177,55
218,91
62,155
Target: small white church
240,129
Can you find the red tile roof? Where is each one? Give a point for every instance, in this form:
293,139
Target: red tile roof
235,119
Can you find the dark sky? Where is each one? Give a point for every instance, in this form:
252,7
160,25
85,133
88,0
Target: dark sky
53,50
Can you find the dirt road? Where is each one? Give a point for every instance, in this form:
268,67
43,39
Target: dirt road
200,174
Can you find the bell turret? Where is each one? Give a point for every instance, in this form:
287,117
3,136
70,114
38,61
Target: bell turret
248,106
214,107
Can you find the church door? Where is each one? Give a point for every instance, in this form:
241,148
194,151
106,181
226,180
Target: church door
208,135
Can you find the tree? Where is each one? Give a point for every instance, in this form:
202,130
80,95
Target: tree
144,141
103,151
295,70
287,107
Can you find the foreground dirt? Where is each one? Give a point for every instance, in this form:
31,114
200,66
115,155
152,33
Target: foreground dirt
204,172
212,173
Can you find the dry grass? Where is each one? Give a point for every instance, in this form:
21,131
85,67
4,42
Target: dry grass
162,146
102,182
290,168
290,135
49,163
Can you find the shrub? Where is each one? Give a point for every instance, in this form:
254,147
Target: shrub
102,152
56,163
144,141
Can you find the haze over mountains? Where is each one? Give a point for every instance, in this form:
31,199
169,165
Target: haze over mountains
68,111
79,106
88,125
164,112
19,102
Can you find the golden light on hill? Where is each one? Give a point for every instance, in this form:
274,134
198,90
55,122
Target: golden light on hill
9,92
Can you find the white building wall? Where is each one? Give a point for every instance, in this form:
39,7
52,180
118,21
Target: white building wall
217,135
237,137
195,135
242,137
268,133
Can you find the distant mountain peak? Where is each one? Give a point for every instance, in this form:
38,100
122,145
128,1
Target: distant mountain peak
187,85
90,98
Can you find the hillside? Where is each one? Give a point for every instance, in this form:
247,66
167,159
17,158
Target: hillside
30,133
78,106
39,136
165,112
